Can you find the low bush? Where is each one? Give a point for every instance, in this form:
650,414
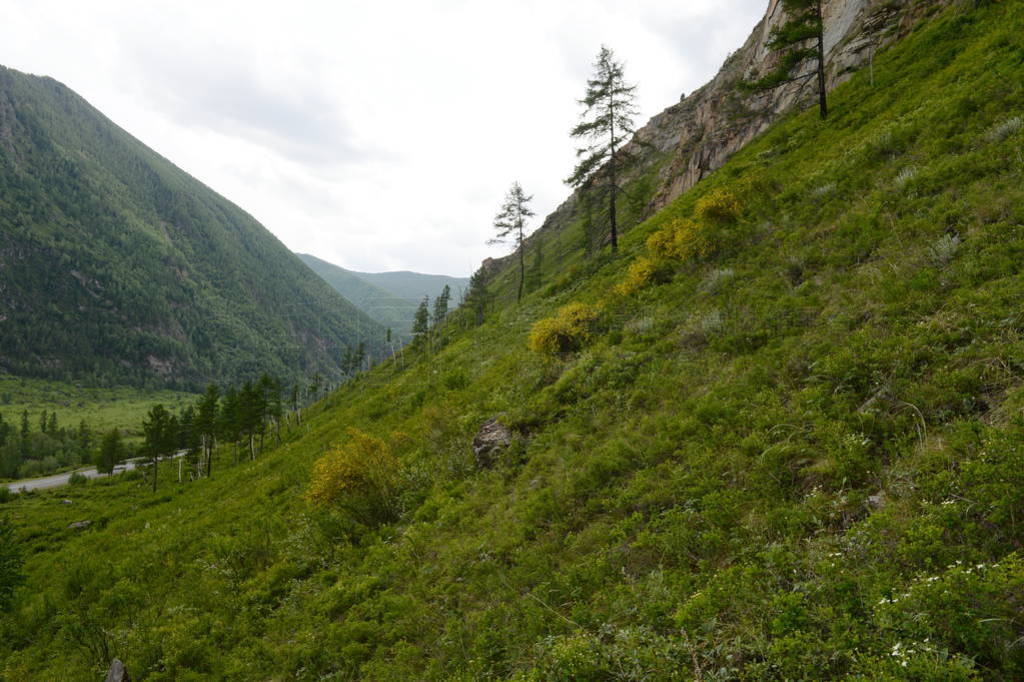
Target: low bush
642,272
360,477
681,239
718,207
566,332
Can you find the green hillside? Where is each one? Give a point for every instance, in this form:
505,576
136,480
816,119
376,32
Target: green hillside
390,310
779,437
117,267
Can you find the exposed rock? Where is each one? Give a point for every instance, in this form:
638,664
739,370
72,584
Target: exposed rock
66,502
117,672
492,438
80,525
877,501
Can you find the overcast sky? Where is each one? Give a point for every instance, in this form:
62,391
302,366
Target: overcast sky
375,135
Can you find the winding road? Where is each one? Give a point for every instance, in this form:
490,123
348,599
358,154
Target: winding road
57,480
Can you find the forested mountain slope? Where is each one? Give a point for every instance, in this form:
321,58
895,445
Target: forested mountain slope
115,266
778,436
390,310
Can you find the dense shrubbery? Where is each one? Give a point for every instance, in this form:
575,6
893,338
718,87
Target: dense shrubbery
10,563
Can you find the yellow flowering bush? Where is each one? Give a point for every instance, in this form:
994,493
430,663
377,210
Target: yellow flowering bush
643,271
681,239
567,331
718,207
361,477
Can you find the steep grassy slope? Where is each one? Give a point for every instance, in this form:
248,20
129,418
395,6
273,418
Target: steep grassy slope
391,311
116,266
794,454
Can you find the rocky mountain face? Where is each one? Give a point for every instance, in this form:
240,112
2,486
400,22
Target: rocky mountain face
697,135
703,130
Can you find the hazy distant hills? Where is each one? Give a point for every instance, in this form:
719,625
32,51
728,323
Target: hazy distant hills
117,266
390,298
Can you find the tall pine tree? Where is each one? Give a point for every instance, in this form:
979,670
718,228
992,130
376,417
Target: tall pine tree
606,126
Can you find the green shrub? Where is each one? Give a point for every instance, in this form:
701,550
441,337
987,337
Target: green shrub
10,564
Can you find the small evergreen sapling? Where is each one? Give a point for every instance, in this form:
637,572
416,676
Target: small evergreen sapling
511,223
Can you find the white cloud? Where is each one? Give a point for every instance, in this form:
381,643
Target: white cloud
374,135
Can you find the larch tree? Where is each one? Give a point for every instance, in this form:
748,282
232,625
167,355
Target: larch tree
800,39
159,430
477,296
605,126
206,424
441,306
510,225
421,322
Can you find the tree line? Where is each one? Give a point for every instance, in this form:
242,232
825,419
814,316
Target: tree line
242,417
35,446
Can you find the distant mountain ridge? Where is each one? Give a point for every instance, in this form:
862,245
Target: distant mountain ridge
390,298
116,266
413,286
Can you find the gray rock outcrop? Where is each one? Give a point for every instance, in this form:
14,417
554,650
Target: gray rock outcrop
117,672
490,441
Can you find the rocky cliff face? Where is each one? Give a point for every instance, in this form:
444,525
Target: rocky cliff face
699,133
703,130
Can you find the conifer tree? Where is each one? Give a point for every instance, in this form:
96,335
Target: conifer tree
511,223
314,387
228,419
110,453
295,404
158,431
800,39
606,125
206,425
189,438
441,305
477,296
421,322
